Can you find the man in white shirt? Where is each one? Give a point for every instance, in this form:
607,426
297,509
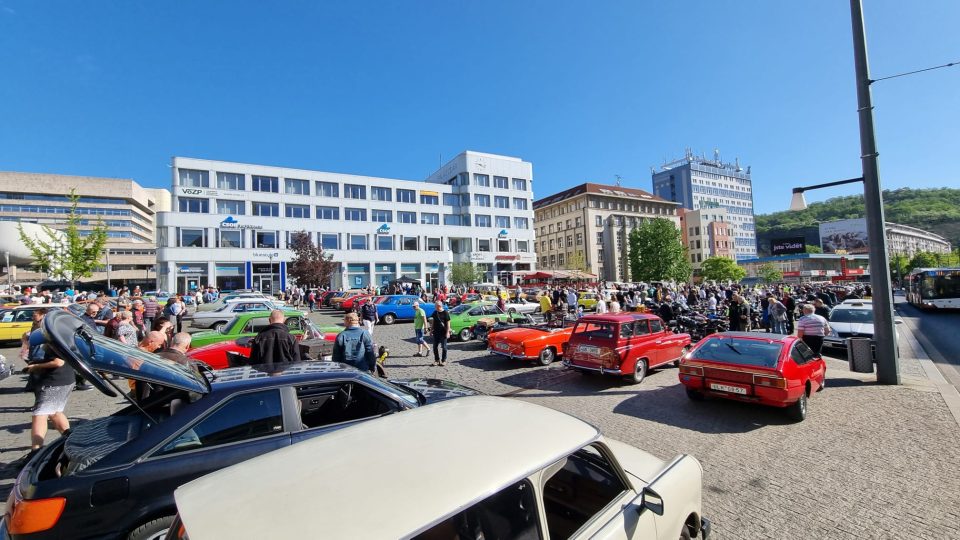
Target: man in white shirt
812,328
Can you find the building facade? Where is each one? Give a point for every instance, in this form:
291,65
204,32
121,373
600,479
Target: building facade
906,240
126,209
697,182
589,224
804,267
706,233
231,223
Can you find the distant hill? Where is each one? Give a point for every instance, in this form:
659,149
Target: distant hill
936,210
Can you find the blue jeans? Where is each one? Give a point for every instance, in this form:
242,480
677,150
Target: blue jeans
779,327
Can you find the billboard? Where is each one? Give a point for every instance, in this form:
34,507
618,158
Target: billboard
787,246
847,236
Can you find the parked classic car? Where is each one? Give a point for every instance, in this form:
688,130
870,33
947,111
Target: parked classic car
14,322
624,344
400,307
219,319
114,477
588,300
353,302
336,301
246,324
770,369
521,305
224,298
542,343
569,482
465,316
215,355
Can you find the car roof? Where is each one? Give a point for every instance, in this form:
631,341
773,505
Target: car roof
477,442
618,317
283,373
758,336
850,304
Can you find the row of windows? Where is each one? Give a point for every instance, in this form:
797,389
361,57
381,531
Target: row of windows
238,208
58,198
560,242
32,209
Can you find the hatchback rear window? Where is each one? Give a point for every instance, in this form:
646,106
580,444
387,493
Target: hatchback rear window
750,352
594,330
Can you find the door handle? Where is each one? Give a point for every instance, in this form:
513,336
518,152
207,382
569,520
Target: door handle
657,342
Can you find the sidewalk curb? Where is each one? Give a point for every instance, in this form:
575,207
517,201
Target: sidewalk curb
949,393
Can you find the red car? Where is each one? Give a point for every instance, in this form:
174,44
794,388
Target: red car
352,302
215,355
775,370
623,344
540,343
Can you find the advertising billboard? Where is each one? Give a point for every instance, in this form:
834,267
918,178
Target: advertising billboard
787,246
847,236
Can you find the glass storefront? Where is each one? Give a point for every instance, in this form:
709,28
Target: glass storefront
385,273
410,269
433,276
191,277
266,277
358,276
230,276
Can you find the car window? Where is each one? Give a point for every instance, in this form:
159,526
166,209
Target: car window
405,301
655,326
805,352
335,403
255,325
578,488
294,324
23,316
7,317
244,417
491,310
626,330
509,513
594,330
476,311
841,315
641,328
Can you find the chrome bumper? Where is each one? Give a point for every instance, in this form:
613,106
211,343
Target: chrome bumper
604,371
511,356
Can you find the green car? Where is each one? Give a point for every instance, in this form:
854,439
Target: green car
248,324
465,316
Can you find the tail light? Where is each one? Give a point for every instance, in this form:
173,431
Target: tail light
30,516
770,381
182,533
696,371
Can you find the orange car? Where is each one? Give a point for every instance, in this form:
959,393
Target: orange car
541,343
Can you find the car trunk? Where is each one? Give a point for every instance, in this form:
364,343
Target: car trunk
593,345
734,378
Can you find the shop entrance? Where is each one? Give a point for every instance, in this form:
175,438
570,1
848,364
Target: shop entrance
266,277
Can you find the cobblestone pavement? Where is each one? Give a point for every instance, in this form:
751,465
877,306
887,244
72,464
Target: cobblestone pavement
870,461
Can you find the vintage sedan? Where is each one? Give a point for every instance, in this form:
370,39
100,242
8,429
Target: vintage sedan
627,345
220,318
588,300
114,477
15,322
522,305
769,369
215,355
465,316
541,343
336,301
223,299
247,324
568,482
399,307
353,302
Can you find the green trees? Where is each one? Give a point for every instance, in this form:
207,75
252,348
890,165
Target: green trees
310,267
465,273
656,252
770,273
812,249
923,259
722,269
69,253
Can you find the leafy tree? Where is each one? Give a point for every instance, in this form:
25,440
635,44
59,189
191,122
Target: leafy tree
770,273
68,254
311,266
465,273
656,252
922,259
722,269
899,265
576,262
812,249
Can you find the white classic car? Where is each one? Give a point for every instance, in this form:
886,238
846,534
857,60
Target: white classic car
221,318
521,305
475,467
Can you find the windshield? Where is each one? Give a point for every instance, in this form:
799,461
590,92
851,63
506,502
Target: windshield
460,309
852,316
750,352
398,390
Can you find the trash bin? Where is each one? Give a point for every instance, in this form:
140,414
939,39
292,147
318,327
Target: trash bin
860,354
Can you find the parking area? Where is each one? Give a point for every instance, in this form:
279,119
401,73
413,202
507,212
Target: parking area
869,462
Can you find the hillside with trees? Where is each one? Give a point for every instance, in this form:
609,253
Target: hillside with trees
936,210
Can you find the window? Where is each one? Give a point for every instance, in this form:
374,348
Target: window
560,242
328,212
268,184
230,238
296,187
245,417
381,194
385,243
655,326
232,208
429,199
579,222
482,221
358,241
510,513
327,189
451,199
503,222
481,200
433,244
192,178
481,180
626,330
521,204
411,243
354,214
193,238
354,191
501,202
297,211
406,196
453,219
582,486
194,206
641,328
801,353
483,245
500,182
234,181
560,259
429,219
406,217
519,184
521,223
266,209
569,240
267,239
329,241
503,246
579,239
599,221
522,246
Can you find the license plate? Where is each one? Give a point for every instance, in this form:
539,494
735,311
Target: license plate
589,349
503,346
728,388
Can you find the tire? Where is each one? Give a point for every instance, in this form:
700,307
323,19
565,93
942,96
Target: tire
219,327
683,352
547,356
639,372
465,335
152,530
512,311
389,318
694,395
685,533
798,410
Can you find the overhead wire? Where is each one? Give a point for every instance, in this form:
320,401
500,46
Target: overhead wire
951,64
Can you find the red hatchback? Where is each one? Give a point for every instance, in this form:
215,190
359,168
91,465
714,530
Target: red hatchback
775,370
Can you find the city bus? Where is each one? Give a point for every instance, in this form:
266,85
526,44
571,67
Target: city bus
934,288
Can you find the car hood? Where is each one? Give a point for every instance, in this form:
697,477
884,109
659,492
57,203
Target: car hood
634,461
91,354
863,329
436,390
524,334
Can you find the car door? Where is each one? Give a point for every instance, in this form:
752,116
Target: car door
807,368
661,344
331,405
404,308
626,346
643,343
20,322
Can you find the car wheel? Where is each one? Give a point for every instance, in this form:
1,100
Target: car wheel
388,318
685,533
798,410
152,530
547,356
683,352
639,372
694,395
465,334
512,311
220,327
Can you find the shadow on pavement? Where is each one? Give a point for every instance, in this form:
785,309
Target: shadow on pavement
846,383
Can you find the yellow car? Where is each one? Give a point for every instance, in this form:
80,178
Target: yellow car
8,301
588,301
15,322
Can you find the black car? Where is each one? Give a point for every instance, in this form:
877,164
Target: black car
114,477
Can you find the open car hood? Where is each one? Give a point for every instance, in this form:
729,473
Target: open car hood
89,353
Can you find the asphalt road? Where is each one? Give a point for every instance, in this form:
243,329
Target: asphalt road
939,334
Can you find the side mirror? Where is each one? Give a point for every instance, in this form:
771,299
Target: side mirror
650,500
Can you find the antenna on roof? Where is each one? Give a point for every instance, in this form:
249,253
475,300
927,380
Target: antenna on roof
619,178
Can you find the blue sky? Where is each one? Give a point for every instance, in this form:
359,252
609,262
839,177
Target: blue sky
583,90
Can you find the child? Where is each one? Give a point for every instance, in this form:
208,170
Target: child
579,311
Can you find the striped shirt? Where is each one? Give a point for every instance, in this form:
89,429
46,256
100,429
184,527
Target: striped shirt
812,325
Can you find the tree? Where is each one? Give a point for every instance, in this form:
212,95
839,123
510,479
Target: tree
722,269
311,266
577,262
465,274
656,252
922,259
68,254
812,249
898,265
770,273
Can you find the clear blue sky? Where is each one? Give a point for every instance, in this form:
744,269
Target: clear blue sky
583,90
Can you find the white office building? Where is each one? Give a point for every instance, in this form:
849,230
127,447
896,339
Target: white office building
231,223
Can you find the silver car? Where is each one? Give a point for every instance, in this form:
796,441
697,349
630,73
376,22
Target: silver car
220,318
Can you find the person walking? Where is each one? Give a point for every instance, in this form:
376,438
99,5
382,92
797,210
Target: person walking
311,300
440,330
419,322
572,300
545,304
812,328
274,344
150,310
354,346
601,304
739,314
53,381
368,314
777,315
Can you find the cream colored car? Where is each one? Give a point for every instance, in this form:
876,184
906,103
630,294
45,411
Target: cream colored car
475,467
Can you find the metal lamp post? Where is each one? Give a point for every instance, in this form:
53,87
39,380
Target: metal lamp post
270,256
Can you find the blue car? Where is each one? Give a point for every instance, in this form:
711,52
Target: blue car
400,307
